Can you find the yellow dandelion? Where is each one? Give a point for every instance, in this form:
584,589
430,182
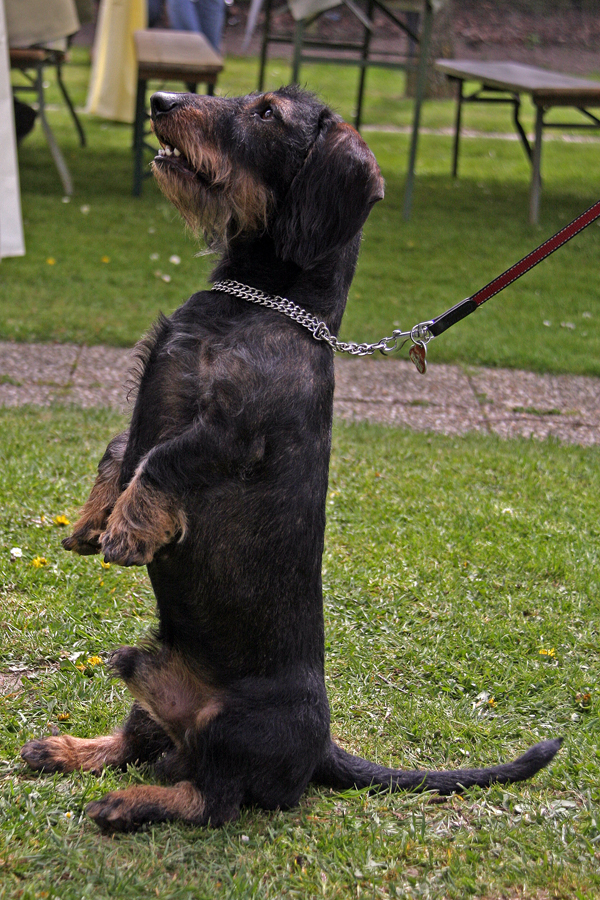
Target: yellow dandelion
61,520
63,717
105,259
80,666
51,261
104,565
94,661
39,562
551,652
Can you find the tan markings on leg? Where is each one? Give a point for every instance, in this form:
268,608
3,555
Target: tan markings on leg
143,520
175,696
64,753
135,806
85,538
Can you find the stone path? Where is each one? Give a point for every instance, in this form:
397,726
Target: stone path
448,400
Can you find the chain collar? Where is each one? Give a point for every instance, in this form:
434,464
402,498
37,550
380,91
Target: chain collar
319,330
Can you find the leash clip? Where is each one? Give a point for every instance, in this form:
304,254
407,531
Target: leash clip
420,335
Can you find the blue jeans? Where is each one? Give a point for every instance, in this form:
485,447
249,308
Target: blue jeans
205,16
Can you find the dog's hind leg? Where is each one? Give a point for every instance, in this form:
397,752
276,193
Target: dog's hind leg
85,538
139,805
141,739
164,684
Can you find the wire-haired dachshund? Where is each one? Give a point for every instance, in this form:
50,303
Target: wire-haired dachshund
219,484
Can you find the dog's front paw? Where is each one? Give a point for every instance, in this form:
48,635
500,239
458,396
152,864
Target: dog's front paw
126,547
85,539
144,520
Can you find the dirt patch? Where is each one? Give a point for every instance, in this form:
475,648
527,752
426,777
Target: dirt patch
11,682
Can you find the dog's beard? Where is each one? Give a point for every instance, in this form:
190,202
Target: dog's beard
217,205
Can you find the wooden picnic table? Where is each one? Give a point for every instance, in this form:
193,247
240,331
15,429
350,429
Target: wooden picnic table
504,82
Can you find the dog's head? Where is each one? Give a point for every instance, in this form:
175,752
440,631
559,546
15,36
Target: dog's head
279,163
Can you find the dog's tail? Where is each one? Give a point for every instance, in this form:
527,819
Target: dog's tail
341,770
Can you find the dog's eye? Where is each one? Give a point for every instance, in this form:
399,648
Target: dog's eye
266,113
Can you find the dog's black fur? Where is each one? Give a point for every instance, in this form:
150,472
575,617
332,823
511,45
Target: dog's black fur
219,485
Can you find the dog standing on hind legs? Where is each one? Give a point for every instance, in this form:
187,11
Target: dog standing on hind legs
219,484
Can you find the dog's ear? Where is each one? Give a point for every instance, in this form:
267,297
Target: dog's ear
330,197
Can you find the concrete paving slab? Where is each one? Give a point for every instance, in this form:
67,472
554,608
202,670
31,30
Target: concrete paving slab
448,400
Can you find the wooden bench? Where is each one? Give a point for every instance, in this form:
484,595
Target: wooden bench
168,56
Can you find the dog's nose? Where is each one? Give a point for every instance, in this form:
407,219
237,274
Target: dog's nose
163,102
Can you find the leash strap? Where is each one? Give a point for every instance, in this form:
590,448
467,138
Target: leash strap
466,307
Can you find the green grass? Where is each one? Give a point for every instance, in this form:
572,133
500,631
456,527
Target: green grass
450,565
462,233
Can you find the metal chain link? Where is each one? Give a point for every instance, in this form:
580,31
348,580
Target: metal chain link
319,330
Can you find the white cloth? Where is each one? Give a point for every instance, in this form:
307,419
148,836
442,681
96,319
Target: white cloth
305,9
11,223
40,21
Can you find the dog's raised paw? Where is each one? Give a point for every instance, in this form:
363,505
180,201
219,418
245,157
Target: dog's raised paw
124,549
83,542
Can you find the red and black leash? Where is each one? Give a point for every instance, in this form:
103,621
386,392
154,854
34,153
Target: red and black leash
422,333
466,307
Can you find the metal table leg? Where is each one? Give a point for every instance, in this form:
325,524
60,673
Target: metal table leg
421,82
59,161
536,177
138,137
457,127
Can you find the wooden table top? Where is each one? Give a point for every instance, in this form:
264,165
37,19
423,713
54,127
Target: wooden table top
512,76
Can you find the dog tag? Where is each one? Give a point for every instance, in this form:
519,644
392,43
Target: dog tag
418,354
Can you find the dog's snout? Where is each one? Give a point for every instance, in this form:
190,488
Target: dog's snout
163,102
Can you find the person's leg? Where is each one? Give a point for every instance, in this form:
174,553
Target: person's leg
183,15
154,12
211,15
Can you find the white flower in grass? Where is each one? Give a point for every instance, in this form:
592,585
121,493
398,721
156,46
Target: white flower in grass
15,553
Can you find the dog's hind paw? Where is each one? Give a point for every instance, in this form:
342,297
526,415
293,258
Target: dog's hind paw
133,807
64,753
45,755
114,812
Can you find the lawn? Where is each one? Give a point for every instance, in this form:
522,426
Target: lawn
98,268
462,621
